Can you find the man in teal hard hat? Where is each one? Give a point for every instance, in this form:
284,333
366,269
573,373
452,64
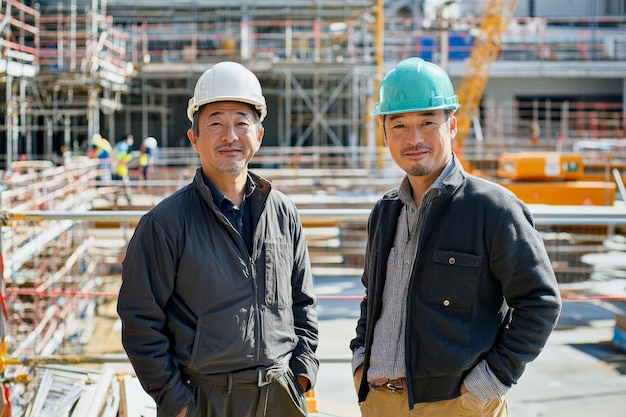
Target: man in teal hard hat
460,292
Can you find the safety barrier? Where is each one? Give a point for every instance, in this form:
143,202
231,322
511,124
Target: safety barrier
54,275
54,255
571,233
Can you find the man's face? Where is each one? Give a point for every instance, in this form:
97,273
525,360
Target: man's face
229,134
420,143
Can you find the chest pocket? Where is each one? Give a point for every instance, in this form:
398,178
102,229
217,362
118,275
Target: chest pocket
278,269
454,279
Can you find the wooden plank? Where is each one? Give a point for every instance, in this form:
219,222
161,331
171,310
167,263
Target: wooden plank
134,400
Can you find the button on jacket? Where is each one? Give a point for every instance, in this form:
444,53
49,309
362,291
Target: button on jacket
482,287
193,297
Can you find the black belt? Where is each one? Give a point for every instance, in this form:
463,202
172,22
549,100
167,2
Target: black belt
251,377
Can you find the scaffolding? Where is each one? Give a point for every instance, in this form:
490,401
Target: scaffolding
72,69
62,70
316,64
81,73
19,46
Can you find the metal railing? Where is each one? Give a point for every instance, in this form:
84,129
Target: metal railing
53,260
352,40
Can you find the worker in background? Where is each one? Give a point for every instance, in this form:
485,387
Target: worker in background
217,302
147,152
66,154
101,150
122,157
459,291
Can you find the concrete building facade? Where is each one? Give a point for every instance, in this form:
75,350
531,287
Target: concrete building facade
118,66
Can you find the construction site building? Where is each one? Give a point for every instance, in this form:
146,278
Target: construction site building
79,68
92,73
76,69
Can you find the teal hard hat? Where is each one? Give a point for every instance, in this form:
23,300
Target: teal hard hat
415,85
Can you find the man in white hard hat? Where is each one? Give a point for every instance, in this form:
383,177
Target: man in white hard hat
217,301
147,152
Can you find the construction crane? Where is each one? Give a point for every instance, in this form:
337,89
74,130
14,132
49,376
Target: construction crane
484,52
535,177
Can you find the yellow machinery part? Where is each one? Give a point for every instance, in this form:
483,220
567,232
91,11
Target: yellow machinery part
596,193
540,166
311,401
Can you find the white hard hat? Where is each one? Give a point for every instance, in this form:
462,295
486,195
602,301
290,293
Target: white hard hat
227,81
150,142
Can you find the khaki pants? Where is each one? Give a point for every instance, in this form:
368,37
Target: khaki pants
382,402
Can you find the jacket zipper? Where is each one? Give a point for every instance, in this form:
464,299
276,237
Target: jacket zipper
249,272
257,314
423,212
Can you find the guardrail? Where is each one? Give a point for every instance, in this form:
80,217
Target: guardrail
56,271
337,235
542,214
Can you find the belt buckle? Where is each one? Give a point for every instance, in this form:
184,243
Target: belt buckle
393,387
263,379
267,376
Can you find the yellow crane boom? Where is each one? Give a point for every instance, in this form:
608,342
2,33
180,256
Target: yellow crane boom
484,52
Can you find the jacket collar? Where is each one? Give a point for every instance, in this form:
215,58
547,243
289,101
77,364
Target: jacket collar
454,178
448,182
257,198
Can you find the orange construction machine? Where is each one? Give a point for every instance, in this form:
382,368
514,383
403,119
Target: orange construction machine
552,178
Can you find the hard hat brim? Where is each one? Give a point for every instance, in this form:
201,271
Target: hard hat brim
394,108
193,108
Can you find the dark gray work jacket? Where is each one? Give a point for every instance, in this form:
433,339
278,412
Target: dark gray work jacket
193,297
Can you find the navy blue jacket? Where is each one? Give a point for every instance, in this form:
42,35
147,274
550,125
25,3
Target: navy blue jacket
482,287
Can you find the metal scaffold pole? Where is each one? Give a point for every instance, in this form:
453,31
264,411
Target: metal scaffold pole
3,309
380,60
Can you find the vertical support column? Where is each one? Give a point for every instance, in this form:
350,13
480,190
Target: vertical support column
444,45
245,34
164,139
144,108
93,112
316,139
128,114
24,127
286,137
288,41
9,120
3,309
49,122
111,126
565,119
67,130
379,48
623,132
534,128
317,40
73,15
111,101
548,121
353,136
